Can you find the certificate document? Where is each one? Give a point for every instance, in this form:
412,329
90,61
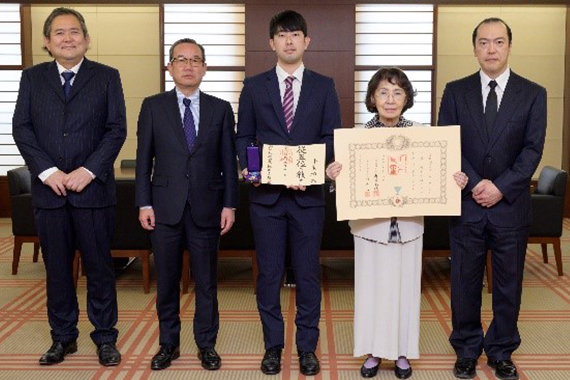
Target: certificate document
293,165
397,172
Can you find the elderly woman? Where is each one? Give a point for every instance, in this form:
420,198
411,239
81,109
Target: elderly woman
388,252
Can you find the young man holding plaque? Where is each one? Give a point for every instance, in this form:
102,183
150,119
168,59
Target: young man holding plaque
287,105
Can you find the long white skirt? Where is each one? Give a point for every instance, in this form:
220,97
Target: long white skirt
387,293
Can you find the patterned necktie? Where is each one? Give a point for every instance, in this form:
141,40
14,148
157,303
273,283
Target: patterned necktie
189,126
491,108
394,231
67,85
288,102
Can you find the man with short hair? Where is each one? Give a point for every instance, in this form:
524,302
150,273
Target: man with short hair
503,126
186,186
288,105
70,125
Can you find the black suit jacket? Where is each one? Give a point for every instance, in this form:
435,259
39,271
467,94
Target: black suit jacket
509,156
86,130
261,119
167,175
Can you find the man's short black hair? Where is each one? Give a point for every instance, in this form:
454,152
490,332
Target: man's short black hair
491,20
287,21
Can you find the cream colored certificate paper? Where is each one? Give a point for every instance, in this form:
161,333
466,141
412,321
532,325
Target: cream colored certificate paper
397,172
293,165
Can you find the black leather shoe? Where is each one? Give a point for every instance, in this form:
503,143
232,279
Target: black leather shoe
210,359
504,369
57,352
403,373
271,362
465,368
309,363
108,354
164,357
369,372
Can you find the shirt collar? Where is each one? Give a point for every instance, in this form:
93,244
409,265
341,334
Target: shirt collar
501,79
75,68
194,97
282,74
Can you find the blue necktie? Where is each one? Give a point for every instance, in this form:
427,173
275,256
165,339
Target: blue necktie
189,126
67,85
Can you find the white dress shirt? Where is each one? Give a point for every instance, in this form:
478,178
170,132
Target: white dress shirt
501,80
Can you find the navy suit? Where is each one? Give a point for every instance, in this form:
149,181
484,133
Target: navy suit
86,130
187,191
508,157
281,216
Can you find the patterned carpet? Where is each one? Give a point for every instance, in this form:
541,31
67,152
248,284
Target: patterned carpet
24,333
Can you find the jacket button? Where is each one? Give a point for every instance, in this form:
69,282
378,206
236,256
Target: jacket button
489,159
65,134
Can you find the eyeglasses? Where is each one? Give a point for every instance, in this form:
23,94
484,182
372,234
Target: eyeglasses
398,95
183,61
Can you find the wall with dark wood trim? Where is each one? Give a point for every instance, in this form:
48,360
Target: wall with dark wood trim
330,52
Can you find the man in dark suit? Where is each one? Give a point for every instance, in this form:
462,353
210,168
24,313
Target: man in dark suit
288,105
186,185
69,125
503,125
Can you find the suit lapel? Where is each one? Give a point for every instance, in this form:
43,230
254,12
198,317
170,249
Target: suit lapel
52,77
474,101
509,103
172,111
206,114
83,77
274,94
304,97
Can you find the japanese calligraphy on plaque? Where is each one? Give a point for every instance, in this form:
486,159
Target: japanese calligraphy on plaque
293,165
397,172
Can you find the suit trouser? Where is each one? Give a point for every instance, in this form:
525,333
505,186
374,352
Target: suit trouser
302,227
469,244
167,245
61,231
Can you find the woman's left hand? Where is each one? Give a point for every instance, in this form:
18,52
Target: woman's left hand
333,170
461,179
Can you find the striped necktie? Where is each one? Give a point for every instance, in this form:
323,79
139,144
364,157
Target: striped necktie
288,102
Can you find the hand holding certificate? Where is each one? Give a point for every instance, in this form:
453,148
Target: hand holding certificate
397,172
293,165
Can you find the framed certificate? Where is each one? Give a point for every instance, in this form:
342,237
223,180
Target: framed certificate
397,172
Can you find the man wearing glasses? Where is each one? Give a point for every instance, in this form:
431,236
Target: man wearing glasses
187,191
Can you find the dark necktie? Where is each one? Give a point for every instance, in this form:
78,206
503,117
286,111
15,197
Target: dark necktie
394,231
491,108
67,75
288,102
189,126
